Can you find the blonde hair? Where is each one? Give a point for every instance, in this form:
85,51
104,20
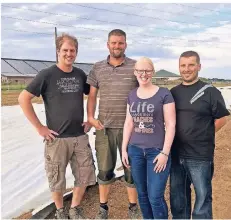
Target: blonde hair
145,60
60,40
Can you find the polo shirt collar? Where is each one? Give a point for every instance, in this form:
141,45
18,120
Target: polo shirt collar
123,62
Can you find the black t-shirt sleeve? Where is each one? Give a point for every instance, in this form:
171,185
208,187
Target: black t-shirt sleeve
218,107
86,86
172,91
38,86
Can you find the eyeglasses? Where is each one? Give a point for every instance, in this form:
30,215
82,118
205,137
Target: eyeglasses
148,72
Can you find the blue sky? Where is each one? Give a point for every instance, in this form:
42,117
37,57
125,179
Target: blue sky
159,31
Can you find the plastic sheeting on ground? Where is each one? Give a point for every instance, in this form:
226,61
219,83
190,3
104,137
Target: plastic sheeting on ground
24,182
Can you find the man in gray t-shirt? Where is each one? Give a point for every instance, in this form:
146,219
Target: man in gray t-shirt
114,77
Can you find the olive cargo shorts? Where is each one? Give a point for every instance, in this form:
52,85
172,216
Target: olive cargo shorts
106,143
62,150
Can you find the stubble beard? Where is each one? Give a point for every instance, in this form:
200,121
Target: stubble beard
121,54
191,80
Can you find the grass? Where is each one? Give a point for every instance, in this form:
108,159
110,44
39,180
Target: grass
169,86
13,87
218,84
20,87
10,97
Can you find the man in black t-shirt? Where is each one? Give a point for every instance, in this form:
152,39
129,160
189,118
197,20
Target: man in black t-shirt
62,87
200,112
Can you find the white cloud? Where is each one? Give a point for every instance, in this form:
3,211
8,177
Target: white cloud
145,40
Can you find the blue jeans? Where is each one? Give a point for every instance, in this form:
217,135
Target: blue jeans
183,173
149,184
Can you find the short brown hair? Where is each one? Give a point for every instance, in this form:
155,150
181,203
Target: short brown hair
117,32
191,53
60,40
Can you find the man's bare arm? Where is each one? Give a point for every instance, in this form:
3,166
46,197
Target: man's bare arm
24,100
219,123
91,102
91,105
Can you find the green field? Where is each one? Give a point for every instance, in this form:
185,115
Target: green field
13,87
19,87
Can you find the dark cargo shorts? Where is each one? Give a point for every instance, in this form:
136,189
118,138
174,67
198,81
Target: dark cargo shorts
75,150
106,144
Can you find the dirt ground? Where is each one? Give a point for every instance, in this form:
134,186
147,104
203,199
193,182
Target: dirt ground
118,202
11,98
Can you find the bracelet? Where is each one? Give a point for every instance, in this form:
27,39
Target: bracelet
164,153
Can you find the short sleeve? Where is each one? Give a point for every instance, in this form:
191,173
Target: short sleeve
38,86
128,100
172,90
86,86
219,109
92,79
168,98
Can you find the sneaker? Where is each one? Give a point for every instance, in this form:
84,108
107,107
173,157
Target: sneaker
61,214
76,213
102,214
134,213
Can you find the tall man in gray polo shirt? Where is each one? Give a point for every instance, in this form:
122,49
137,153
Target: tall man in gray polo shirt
115,78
